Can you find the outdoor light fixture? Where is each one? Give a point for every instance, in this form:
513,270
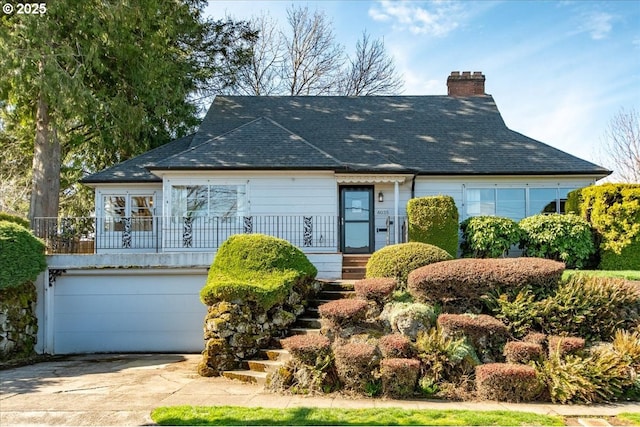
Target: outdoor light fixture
380,197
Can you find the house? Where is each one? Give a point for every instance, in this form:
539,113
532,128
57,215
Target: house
330,174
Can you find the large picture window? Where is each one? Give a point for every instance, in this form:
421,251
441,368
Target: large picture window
515,203
221,201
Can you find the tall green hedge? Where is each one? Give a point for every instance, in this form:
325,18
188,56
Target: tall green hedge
434,220
21,255
613,210
258,268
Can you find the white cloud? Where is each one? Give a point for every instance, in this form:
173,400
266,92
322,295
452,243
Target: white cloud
597,24
437,18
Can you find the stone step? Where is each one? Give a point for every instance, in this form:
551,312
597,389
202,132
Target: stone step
342,285
353,275
267,366
304,331
276,354
334,295
315,303
308,322
247,376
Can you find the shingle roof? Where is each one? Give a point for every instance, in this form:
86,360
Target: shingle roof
259,144
435,135
134,169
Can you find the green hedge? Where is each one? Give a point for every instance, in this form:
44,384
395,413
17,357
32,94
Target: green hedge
21,255
434,220
488,236
258,268
567,238
15,219
399,260
614,212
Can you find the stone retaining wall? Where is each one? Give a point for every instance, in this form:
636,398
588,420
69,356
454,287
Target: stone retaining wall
18,322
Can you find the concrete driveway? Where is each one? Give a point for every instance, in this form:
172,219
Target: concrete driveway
123,389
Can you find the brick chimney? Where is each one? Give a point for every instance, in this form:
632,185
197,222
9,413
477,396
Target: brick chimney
465,84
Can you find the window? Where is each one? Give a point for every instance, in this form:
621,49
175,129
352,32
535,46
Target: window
511,203
222,201
543,200
481,202
139,208
515,203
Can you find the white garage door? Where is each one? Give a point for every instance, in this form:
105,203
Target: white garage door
111,310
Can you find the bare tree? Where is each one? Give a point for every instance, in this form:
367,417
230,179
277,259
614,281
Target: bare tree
313,58
372,71
621,144
263,74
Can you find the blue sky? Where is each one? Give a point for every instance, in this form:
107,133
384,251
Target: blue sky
558,70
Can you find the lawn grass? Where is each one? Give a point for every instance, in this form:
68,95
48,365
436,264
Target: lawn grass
621,274
633,417
236,415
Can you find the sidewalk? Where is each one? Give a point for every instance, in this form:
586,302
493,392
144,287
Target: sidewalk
116,389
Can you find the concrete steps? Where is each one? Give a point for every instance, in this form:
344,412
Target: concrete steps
354,267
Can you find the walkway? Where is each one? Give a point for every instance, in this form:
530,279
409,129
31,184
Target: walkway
123,389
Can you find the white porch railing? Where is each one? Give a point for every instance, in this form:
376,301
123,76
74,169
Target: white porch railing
167,234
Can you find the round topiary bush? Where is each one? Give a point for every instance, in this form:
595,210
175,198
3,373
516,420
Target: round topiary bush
257,268
488,236
459,284
21,255
567,238
309,349
522,352
401,259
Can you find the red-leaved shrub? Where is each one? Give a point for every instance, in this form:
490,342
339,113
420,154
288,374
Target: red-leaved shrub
458,284
564,345
522,352
356,364
507,382
307,348
343,311
376,289
399,376
395,346
536,338
485,333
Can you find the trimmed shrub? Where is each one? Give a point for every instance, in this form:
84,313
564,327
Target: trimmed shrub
488,236
342,312
485,333
591,307
257,268
522,352
567,238
21,255
399,260
434,220
395,346
355,364
408,318
309,349
399,376
375,289
536,338
15,219
459,284
564,345
613,210
507,382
